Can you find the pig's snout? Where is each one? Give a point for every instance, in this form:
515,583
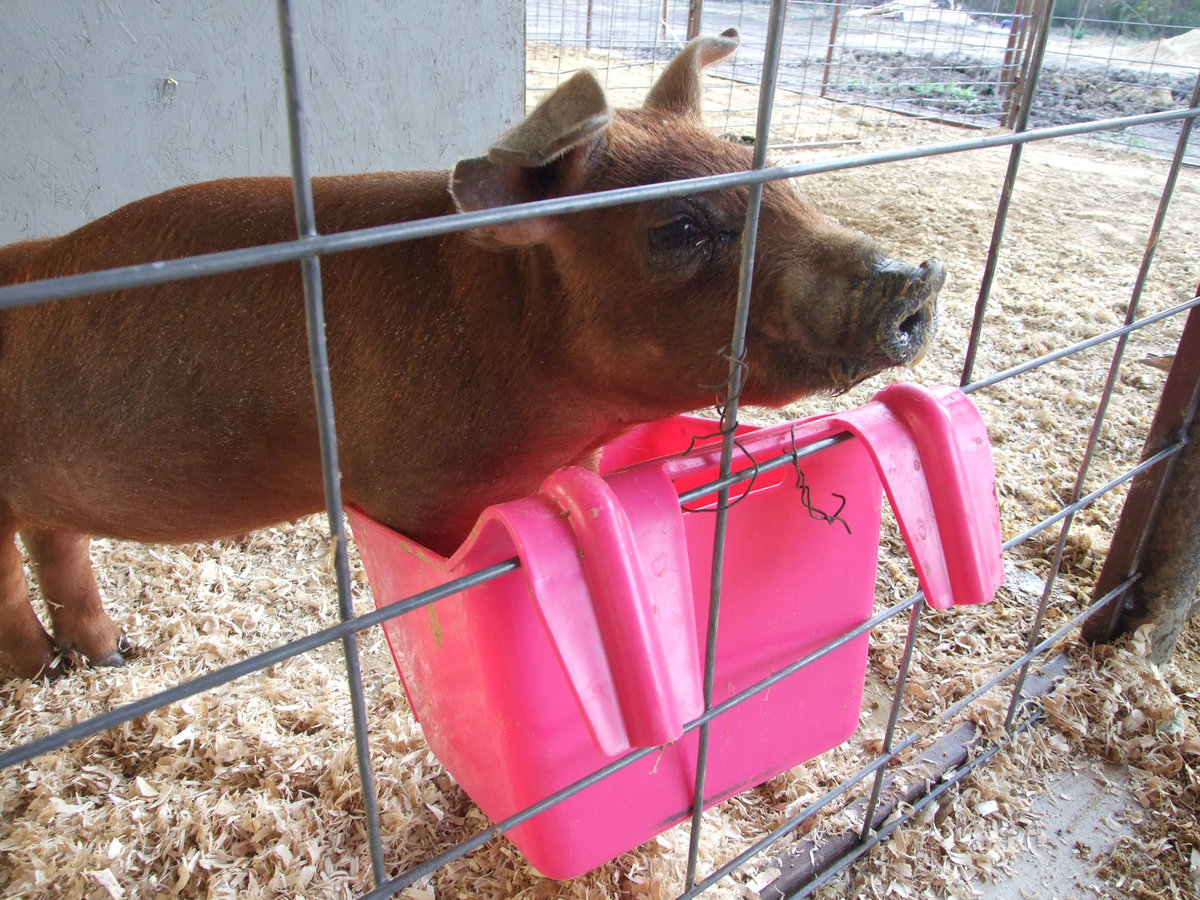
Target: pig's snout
908,307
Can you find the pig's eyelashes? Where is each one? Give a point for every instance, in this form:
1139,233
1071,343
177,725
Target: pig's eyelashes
686,238
678,235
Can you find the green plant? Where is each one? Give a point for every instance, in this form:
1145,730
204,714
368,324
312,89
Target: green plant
942,91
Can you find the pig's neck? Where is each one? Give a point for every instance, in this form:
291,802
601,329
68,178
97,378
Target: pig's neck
509,410
563,414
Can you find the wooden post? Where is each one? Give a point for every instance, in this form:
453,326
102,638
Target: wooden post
1012,61
695,11
1015,73
833,29
1158,533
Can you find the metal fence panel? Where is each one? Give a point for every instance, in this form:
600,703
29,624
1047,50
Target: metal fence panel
628,32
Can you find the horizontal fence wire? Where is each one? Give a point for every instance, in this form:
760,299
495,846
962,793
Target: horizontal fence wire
299,646
1087,344
233,671
133,710
628,759
877,765
310,246
1010,734
343,242
916,808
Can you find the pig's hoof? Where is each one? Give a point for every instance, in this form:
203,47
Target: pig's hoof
118,657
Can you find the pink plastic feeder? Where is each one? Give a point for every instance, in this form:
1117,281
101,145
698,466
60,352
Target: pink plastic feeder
594,645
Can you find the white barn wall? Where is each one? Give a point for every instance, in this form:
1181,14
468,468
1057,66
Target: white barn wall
105,102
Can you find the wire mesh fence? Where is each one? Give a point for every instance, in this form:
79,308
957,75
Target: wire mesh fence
875,62
836,86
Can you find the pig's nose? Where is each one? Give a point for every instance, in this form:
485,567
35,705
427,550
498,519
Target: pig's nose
908,307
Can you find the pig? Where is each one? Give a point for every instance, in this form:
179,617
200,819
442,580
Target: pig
465,367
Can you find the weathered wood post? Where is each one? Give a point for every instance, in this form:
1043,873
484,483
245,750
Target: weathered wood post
833,30
695,11
1018,30
1031,18
1158,533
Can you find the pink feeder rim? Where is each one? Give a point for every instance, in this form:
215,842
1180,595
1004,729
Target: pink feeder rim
594,646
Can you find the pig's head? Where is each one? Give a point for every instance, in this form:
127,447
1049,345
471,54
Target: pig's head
645,293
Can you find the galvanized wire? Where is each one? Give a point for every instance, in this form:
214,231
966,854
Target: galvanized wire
306,250
1006,192
342,242
291,47
729,413
1080,346
1107,392
128,712
889,732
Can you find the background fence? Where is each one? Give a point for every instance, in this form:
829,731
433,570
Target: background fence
1069,264
937,61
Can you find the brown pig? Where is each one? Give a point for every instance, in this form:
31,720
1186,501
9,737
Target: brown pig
465,367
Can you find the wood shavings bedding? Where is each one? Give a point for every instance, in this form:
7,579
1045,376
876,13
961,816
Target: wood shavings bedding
252,789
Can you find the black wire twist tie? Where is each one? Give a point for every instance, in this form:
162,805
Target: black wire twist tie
806,492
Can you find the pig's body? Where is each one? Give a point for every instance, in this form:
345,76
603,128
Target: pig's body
465,368
190,416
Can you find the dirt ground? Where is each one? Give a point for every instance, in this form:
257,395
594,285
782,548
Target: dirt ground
1080,82
251,789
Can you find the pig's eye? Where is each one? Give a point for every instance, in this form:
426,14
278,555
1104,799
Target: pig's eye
686,238
678,235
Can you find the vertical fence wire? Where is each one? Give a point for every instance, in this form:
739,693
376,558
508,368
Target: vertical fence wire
292,56
729,412
1110,384
889,734
1010,181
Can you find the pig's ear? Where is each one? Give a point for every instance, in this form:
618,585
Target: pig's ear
545,155
678,88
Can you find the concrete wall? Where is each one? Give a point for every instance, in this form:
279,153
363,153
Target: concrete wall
104,102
